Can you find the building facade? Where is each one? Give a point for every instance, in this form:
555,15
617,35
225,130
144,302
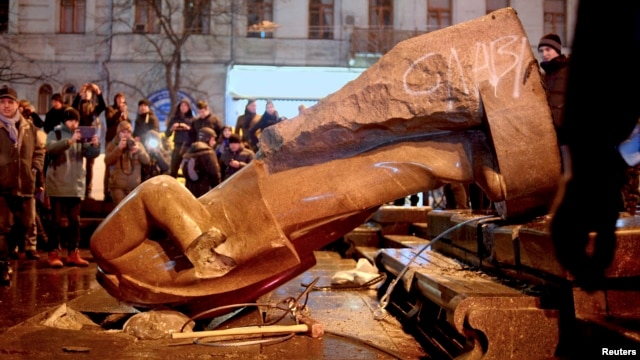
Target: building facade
225,51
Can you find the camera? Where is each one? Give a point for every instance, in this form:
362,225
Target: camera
131,143
152,143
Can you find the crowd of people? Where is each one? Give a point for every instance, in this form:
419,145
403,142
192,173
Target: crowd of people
47,165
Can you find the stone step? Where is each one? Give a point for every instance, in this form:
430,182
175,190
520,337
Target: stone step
367,234
476,305
522,254
391,214
399,219
403,241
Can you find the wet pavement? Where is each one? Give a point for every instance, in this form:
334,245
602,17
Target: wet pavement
351,332
35,288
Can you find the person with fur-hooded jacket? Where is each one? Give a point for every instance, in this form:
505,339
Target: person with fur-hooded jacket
200,164
556,68
124,157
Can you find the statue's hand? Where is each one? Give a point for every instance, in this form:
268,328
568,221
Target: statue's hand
206,261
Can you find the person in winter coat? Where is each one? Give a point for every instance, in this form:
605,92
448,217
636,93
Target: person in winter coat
124,157
21,157
245,121
114,114
236,158
205,119
200,164
270,117
90,104
145,121
556,68
55,115
65,185
179,126
222,145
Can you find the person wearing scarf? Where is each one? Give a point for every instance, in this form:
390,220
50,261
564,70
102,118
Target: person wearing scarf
21,158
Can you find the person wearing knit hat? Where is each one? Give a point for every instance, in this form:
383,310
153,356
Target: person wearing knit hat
552,41
236,158
145,121
205,134
65,185
71,114
200,165
556,67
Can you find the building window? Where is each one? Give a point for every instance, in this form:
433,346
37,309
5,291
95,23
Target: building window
438,14
493,5
321,19
146,18
378,38
260,18
69,91
44,98
197,16
4,16
72,16
381,14
555,18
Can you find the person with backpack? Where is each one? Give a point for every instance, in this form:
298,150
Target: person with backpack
65,185
200,164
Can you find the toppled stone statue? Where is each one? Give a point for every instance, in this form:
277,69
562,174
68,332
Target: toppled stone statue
463,104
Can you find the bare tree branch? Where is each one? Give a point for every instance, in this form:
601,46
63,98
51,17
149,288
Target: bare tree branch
9,73
168,44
